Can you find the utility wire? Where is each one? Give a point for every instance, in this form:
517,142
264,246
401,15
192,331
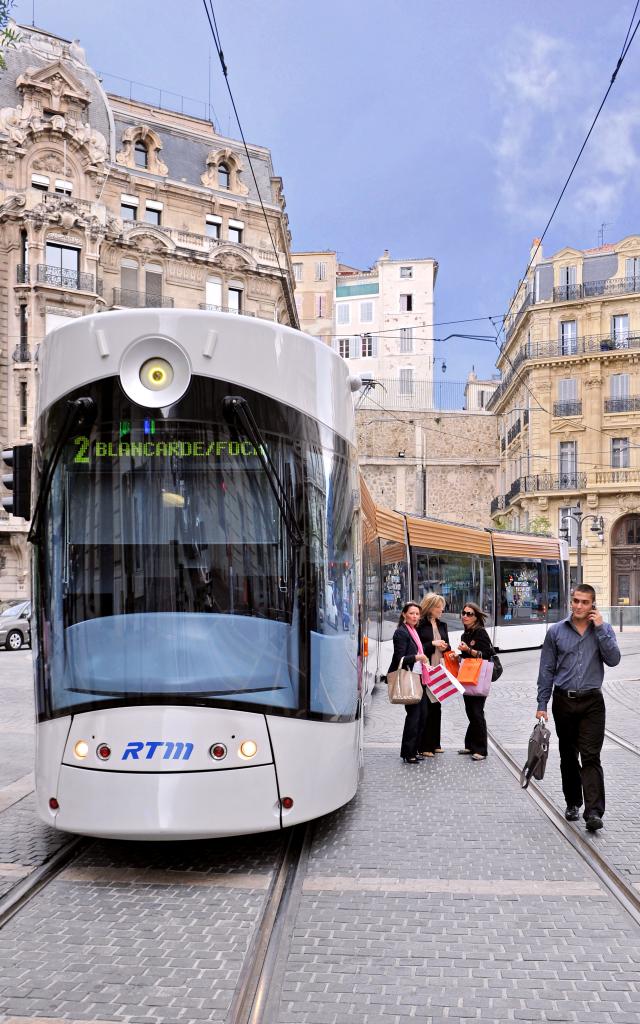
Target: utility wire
211,18
623,53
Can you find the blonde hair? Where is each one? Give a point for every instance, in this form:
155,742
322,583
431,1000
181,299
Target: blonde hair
429,602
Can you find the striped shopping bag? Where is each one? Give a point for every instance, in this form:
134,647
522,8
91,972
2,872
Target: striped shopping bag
442,684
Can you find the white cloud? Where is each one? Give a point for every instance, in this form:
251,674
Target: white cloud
548,92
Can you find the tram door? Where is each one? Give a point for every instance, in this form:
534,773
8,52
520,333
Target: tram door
625,561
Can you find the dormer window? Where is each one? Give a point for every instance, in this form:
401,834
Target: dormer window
224,176
141,154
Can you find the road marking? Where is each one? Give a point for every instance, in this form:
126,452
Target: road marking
142,876
457,886
16,791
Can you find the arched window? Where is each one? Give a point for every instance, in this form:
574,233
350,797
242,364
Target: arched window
626,531
140,154
224,176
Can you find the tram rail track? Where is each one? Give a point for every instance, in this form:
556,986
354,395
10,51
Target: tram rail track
613,880
33,883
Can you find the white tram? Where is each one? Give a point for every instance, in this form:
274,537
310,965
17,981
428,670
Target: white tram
196,577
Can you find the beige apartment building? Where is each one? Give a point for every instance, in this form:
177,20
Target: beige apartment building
108,203
314,275
568,408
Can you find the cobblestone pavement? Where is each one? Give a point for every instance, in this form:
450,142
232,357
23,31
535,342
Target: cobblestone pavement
440,893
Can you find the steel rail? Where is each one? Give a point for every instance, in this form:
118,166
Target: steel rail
249,1001
627,744
617,884
28,887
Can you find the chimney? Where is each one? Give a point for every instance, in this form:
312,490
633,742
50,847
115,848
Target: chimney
539,255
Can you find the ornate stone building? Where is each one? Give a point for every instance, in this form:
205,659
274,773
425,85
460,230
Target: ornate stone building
568,408
108,203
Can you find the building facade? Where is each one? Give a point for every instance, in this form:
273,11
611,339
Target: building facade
568,408
108,203
314,275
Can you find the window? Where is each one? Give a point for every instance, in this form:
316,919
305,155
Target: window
236,228
321,305
567,389
406,339
40,181
568,337
344,315
63,187
366,312
460,576
129,207
297,271
632,272
522,597
224,176
406,381
406,303
567,275
620,330
140,154
369,346
619,385
234,300
63,258
153,284
212,225
129,276
23,403
343,347
153,212
406,272
321,271
355,347
214,292
619,452
567,463
571,524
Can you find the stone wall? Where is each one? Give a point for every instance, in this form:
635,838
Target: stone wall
442,464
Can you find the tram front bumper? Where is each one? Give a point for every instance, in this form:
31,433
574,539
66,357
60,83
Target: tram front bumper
176,805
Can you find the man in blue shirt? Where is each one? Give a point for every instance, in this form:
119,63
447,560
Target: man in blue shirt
572,662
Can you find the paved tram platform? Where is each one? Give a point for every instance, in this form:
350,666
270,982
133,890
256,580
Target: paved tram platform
441,893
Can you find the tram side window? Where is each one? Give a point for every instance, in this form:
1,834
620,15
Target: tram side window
556,601
371,561
522,597
459,577
395,585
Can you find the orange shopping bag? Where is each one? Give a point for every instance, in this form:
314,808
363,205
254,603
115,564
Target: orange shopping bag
469,671
451,663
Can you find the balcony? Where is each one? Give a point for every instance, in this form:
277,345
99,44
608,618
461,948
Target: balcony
497,504
69,279
140,300
513,432
546,482
567,408
223,309
567,293
21,354
629,404
616,476
515,489
22,275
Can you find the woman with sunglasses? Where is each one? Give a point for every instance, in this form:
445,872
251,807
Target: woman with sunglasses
407,645
475,643
434,635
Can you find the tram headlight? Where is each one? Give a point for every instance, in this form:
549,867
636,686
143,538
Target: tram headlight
156,374
81,749
248,749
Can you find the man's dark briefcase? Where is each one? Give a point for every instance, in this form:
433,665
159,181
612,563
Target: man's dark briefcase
537,754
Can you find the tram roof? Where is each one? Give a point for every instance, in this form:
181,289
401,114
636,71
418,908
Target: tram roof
269,358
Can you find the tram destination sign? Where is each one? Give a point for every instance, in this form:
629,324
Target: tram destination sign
88,451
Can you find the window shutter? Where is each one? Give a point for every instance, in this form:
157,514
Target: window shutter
354,348
374,344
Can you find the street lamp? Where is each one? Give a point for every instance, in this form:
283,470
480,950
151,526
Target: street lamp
596,527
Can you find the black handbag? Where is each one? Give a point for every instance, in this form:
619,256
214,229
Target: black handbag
497,665
537,754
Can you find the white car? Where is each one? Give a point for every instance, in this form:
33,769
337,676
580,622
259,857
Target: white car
15,626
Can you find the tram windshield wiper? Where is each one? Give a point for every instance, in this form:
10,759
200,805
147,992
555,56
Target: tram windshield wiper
81,412
238,408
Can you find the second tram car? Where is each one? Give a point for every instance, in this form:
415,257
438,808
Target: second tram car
196,577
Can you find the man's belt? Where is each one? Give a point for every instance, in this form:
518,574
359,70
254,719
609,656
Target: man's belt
573,694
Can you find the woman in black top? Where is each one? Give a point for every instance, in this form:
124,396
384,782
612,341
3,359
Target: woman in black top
404,646
475,643
435,641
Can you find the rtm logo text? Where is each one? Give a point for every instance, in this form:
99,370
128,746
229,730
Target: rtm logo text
172,751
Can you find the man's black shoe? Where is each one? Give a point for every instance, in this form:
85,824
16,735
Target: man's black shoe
572,813
594,823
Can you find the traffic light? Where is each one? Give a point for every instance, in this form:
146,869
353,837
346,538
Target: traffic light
17,479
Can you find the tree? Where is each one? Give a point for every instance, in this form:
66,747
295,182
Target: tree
8,36
501,523
541,525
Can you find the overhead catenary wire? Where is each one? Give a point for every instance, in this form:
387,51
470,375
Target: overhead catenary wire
213,25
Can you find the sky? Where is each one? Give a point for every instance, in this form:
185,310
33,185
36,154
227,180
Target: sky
431,128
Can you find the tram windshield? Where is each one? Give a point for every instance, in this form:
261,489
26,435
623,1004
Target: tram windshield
168,574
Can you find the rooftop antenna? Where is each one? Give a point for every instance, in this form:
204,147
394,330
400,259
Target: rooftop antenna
33,14
209,108
601,233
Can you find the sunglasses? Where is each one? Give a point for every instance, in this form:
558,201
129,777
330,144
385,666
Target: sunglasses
472,614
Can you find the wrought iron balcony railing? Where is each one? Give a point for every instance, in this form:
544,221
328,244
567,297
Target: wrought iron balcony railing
567,292
140,300
497,504
629,404
561,482
567,408
71,279
22,275
224,309
513,432
21,354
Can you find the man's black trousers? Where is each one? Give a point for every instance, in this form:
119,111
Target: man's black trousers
580,725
